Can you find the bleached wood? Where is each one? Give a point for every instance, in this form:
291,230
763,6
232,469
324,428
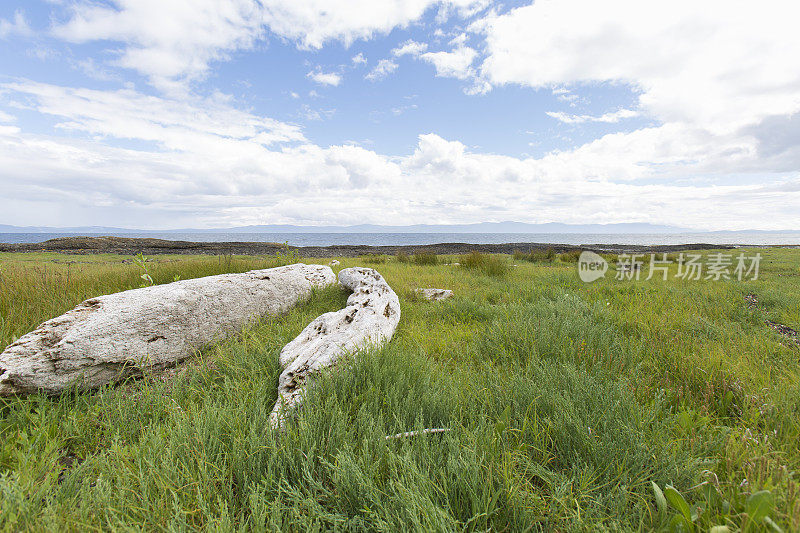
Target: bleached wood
111,337
370,318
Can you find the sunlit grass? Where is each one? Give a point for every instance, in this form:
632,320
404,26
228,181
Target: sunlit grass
564,402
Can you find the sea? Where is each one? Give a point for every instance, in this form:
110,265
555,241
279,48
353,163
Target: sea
399,239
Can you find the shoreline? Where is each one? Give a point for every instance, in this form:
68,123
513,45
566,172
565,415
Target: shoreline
148,246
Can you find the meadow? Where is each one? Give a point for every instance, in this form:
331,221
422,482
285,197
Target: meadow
618,405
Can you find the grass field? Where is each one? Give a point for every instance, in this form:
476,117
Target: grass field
566,403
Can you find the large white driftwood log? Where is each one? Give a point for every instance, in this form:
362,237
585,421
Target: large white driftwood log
111,337
370,318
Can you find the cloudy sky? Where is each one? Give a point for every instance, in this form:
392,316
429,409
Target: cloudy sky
213,113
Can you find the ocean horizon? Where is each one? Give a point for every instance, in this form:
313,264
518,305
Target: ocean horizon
410,239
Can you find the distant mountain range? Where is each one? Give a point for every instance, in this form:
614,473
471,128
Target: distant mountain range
483,227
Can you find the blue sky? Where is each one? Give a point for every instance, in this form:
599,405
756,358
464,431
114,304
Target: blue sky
217,113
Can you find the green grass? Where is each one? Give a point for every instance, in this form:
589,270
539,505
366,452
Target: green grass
565,403
536,256
489,264
570,257
374,259
425,258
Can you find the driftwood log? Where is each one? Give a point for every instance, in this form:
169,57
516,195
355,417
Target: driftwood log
112,337
369,319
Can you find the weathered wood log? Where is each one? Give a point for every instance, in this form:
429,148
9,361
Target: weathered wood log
111,337
369,319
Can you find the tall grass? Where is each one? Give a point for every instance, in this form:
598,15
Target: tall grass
489,264
536,256
425,258
374,259
564,402
570,257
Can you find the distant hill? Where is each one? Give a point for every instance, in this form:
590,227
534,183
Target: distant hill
483,227
5,228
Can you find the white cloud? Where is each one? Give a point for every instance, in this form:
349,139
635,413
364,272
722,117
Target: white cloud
381,70
719,79
204,163
169,42
312,23
310,113
91,69
722,79
5,117
612,117
454,64
399,110
175,124
723,64
325,78
174,42
410,47
17,27
459,40
359,59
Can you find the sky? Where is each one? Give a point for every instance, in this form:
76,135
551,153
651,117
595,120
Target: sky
219,113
